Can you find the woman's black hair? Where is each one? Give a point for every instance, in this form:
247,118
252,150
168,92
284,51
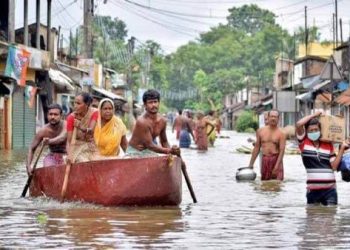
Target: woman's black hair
87,99
150,94
313,121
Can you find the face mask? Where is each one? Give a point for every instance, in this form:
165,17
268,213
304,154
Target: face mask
314,136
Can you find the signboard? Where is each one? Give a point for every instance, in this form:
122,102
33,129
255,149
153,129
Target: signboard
284,101
95,72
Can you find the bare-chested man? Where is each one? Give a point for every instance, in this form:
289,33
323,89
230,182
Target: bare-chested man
53,134
185,132
271,141
178,124
149,126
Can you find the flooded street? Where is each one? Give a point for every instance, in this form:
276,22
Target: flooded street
228,215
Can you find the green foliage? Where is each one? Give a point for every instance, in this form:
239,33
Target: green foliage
246,122
250,18
115,29
228,57
249,130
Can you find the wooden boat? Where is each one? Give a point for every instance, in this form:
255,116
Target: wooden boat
148,181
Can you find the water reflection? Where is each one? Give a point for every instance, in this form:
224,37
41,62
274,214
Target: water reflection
109,227
321,228
268,186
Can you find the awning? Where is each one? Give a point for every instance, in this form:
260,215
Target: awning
304,97
321,85
310,82
267,102
108,94
60,79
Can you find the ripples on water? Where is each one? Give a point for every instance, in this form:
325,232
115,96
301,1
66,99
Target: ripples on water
229,215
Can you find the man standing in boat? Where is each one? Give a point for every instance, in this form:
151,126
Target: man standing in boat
54,135
271,141
149,126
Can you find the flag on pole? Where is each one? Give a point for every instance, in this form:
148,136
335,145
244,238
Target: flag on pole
30,93
16,64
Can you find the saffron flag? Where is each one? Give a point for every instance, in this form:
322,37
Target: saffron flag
29,94
16,64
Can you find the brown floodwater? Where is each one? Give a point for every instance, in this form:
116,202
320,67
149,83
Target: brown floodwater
228,215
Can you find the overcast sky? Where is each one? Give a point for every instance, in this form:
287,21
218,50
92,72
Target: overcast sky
173,23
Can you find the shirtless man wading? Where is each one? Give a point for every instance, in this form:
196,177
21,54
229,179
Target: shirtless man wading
149,126
178,124
271,141
53,134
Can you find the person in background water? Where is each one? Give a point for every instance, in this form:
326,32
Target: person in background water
272,142
83,121
192,123
218,122
201,131
110,131
211,135
149,126
319,161
177,124
53,134
185,132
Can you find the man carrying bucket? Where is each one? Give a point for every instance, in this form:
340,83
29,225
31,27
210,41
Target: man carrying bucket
271,142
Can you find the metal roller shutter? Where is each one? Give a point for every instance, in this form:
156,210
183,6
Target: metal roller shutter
23,120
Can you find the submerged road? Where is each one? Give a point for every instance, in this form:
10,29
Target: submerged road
228,215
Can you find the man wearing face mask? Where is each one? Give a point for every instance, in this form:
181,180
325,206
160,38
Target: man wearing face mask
319,160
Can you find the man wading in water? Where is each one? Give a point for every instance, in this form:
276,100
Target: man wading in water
272,142
149,126
53,134
320,161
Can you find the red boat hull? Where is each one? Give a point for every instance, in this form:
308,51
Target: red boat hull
150,181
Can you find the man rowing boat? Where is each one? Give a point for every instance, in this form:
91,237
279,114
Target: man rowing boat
53,134
149,126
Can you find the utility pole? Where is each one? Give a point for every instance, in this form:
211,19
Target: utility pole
59,36
48,31
11,21
76,42
333,25
131,46
341,30
70,45
88,16
306,38
37,28
25,24
336,23
349,59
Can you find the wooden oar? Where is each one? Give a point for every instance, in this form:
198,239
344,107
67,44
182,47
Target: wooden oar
187,179
67,171
30,177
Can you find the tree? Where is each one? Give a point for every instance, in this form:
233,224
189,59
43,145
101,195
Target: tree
314,34
250,18
114,29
